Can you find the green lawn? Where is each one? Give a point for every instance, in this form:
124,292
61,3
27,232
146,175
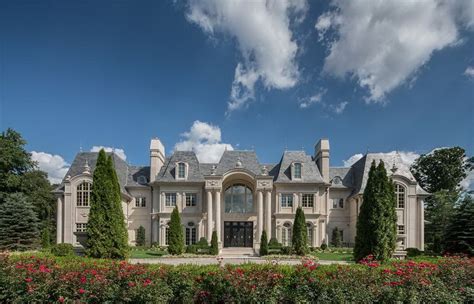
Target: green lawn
146,253
333,256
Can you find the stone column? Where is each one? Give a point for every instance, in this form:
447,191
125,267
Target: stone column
268,214
422,224
59,222
315,232
259,215
209,215
155,232
217,204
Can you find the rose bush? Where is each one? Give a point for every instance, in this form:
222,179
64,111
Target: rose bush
49,279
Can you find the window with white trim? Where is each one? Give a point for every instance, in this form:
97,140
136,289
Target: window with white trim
337,203
83,192
170,199
400,194
81,227
191,199
287,200
191,234
309,228
286,234
181,170
307,200
297,170
140,202
401,229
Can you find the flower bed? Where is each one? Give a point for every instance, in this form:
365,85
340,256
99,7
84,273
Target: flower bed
25,278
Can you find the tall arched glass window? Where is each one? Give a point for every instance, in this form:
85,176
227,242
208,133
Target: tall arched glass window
190,234
309,230
297,170
238,199
83,192
286,234
400,194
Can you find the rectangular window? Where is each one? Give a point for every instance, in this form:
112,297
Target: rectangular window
287,200
191,199
307,200
401,229
190,235
297,168
140,202
167,235
337,203
181,170
170,199
81,227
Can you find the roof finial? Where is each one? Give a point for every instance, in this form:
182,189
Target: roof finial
238,164
87,169
394,167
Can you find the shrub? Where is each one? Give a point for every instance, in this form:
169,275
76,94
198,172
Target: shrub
413,252
141,236
192,249
263,244
176,237
324,246
299,239
45,237
273,244
214,250
62,249
288,250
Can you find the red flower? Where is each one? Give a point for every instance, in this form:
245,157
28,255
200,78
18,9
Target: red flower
146,282
131,284
81,291
28,280
61,299
43,268
83,280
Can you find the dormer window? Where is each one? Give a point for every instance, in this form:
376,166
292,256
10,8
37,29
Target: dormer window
296,170
181,170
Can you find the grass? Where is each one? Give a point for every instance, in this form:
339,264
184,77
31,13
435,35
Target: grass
333,256
146,253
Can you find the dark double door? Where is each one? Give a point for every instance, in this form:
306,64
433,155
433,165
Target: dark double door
238,234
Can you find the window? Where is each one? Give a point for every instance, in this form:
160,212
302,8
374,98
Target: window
238,199
401,229
170,199
191,199
309,228
297,170
286,234
307,200
142,180
84,194
181,170
140,202
400,194
167,235
81,227
287,200
190,234
337,203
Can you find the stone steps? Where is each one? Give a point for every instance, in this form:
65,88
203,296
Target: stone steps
237,252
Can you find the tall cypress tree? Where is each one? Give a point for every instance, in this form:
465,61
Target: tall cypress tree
376,225
299,239
176,237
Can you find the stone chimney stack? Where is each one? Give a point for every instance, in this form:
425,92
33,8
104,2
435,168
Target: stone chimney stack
321,157
157,157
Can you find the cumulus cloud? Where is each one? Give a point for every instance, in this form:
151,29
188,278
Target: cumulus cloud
407,158
119,152
205,140
309,101
265,40
383,44
469,72
54,165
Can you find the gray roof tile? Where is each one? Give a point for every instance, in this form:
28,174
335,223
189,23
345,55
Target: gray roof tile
168,171
310,172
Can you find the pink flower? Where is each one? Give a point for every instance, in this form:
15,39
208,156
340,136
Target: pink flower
61,299
146,282
83,280
43,268
28,280
81,291
131,284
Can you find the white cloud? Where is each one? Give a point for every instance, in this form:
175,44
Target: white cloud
383,44
309,101
468,182
119,152
469,72
205,140
265,40
339,108
407,158
54,165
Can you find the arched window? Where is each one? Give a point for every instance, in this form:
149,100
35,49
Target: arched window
191,234
400,194
309,228
83,192
297,170
167,234
238,199
286,234
181,170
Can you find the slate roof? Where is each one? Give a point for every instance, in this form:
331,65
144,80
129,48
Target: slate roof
248,159
309,172
344,173
168,171
138,176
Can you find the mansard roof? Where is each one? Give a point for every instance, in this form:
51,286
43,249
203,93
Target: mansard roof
309,171
239,159
168,171
344,173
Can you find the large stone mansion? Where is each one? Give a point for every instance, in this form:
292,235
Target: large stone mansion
239,197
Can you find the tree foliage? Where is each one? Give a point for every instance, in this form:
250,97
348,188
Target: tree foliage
141,240
176,236
264,244
438,214
106,231
459,236
214,249
18,224
376,225
336,239
299,239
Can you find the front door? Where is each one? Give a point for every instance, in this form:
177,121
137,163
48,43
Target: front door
238,234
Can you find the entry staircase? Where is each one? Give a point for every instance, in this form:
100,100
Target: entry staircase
237,252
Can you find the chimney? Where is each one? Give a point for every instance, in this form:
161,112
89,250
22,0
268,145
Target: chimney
157,157
321,157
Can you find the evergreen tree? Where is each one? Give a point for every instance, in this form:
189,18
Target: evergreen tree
376,225
18,224
176,237
336,240
141,236
299,239
214,249
45,237
439,211
459,237
264,244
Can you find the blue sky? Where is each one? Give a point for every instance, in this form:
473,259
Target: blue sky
208,75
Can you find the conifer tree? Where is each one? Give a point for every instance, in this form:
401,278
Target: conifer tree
264,244
18,224
459,237
141,236
376,225
336,240
214,249
176,237
299,239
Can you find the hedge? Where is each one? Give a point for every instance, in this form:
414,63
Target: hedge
80,280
